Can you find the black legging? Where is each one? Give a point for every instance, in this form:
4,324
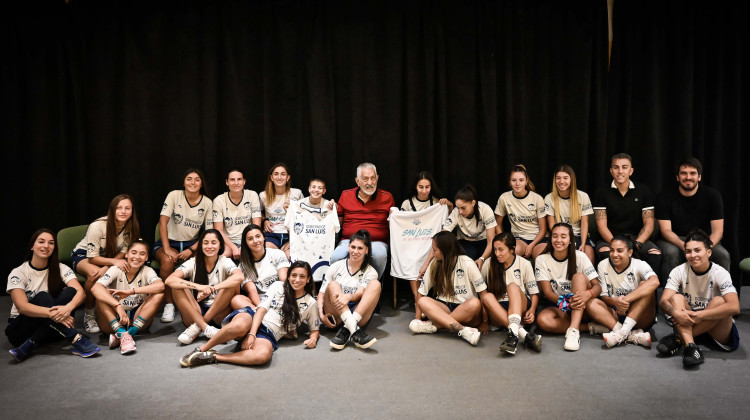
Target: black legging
41,330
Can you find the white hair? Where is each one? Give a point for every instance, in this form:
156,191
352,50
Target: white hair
366,165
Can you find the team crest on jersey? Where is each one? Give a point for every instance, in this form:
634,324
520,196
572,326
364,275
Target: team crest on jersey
216,214
448,222
460,273
15,280
164,206
298,228
517,274
247,205
228,222
531,206
302,306
631,277
610,290
90,247
201,212
553,284
105,277
177,218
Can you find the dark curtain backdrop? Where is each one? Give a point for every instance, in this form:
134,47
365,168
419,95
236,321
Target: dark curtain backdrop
100,98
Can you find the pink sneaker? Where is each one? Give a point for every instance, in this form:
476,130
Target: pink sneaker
127,344
113,341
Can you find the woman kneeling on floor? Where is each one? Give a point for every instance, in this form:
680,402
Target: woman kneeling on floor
283,308
511,292
131,303
457,283
44,294
216,280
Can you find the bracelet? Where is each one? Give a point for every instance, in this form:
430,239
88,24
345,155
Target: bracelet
192,251
483,259
249,334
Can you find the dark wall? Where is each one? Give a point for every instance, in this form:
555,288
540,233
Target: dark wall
100,98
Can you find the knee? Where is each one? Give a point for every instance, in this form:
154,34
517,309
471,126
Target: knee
374,286
545,319
487,298
579,281
43,299
473,304
240,301
716,301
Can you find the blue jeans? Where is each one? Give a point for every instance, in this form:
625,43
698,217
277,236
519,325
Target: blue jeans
379,253
41,330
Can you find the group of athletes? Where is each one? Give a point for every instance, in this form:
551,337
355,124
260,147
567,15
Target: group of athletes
224,264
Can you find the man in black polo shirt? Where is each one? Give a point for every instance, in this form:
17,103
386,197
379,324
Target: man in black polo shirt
685,208
625,207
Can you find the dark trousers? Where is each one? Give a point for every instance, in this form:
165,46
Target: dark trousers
41,330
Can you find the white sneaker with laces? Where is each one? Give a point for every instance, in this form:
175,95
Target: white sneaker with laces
614,338
422,327
90,324
470,334
640,338
572,339
188,336
210,331
167,315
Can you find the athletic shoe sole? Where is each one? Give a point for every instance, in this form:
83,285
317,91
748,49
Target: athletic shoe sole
337,346
89,354
365,345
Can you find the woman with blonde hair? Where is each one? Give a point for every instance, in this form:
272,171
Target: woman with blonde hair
567,204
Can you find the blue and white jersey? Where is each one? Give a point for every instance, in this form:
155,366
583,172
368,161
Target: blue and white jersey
349,282
33,280
555,271
222,270
273,300
275,212
95,240
144,277
312,234
236,216
520,272
467,281
268,269
699,289
186,221
623,283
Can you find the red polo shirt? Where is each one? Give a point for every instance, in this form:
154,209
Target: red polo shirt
372,216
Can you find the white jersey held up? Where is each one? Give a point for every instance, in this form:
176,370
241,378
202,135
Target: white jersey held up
312,235
411,238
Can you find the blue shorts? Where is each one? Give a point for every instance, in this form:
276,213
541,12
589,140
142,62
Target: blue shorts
278,239
589,242
506,304
451,306
473,249
707,340
77,256
528,241
177,245
263,331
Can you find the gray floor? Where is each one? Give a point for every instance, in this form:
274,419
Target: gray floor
402,376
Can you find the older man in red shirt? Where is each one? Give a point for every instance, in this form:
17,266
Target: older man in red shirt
365,207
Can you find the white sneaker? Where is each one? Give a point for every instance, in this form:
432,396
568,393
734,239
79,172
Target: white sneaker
424,327
210,331
614,338
572,339
90,324
470,334
188,336
640,338
596,329
167,315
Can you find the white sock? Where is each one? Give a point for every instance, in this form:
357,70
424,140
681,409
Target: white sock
522,333
628,325
617,327
357,317
349,321
514,322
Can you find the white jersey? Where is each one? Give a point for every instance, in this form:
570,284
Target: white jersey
468,229
411,238
523,213
322,205
564,206
236,216
186,221
349,282
699,289
467,281
95,240
275,212
312,235
520,272
222,270
33,281
273,300
145,276
268,269
415,204
555,272
621,284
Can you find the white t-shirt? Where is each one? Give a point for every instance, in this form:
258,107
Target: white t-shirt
468,229
523,213
145,276
275,212
411,238
186,221
564,203
236,215
273,300
520,272
418,204
312,235
222,270
467,281
621,284
349,282
555,272
699,289
95,240
268,269
33,281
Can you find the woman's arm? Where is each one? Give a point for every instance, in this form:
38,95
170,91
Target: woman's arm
283,271
18,296
499,227
584,231
538,238
249,341
231,282
547,291
487,253
118,260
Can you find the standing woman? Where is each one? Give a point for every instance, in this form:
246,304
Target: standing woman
525,210
511,293
184,214
216,280
458,284
235,209
129,305
261,267
104,246
274,201
569,281
567,204
258,331
44,293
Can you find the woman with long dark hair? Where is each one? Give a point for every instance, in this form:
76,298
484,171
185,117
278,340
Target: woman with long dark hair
261,266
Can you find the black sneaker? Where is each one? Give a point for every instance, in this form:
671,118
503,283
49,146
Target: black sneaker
342,336
669,345
692,356
510,344
534,341
362,340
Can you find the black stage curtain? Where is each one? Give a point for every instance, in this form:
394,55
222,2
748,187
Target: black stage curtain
100,98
